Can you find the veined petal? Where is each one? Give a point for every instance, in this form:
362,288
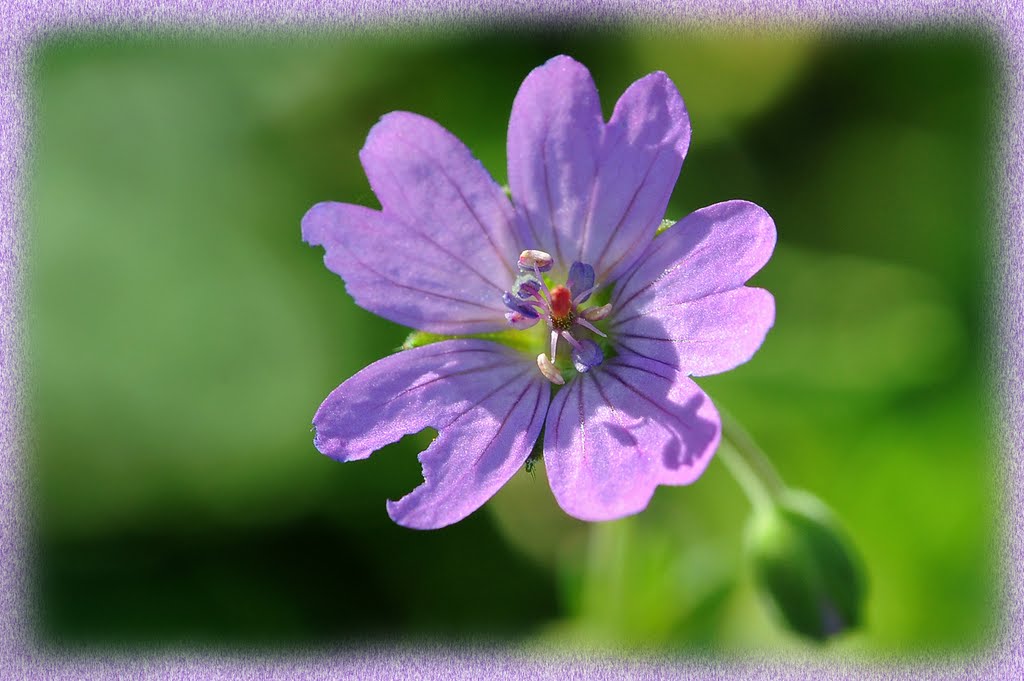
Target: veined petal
403,274
614,434
484,400
700,337
554,138
642,153
588,191
712,250
426,178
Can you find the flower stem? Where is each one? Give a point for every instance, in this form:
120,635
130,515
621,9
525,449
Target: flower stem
748,464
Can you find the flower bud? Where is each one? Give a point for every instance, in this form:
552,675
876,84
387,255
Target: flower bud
805,566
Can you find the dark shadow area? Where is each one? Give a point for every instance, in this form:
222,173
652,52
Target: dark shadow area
309,582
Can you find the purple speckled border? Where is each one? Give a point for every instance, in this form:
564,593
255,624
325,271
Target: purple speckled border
23,22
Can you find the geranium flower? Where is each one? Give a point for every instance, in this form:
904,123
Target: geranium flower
568,292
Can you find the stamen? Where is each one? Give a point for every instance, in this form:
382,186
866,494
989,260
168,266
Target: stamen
587,325
549,370
581,281
531,259
539,301
527,285
572,341
519,321
531,300
543,284
596,314
582,298
516,305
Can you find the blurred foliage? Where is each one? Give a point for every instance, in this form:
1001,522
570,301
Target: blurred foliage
182,337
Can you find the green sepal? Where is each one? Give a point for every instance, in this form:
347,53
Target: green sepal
418,339
518,340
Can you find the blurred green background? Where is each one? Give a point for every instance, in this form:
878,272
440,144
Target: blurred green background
182,337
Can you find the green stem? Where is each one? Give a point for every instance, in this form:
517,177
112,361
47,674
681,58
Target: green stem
748,464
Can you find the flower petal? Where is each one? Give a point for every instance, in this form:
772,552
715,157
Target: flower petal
589,191
554,137
401,274
642,153
485,400
617,432
701,337
424,176
685,305
715,249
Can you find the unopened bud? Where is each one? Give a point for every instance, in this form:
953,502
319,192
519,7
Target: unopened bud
806,567
530,259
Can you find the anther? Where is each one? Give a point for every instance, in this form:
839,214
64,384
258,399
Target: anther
527,285
596,314
549,370
587,355
580,281
531,259
516,304
519,321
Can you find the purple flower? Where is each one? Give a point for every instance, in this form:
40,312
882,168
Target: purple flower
590,305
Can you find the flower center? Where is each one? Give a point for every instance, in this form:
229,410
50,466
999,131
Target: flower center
561,308
530,300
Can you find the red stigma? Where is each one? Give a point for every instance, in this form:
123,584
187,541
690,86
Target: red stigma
561,302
